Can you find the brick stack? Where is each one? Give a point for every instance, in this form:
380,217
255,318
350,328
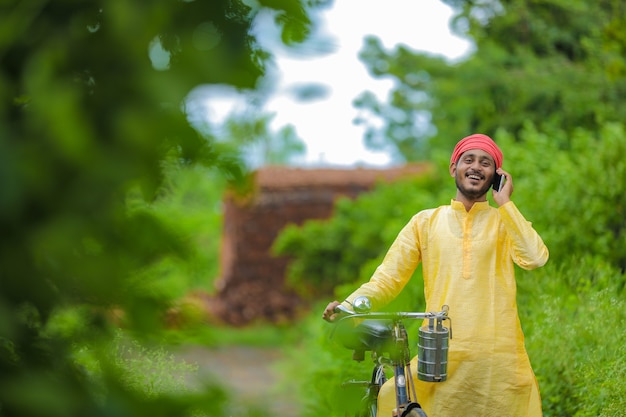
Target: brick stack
252,283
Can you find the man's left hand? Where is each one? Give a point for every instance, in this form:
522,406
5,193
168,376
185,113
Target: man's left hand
504,195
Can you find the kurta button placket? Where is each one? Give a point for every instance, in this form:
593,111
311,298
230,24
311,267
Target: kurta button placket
467,246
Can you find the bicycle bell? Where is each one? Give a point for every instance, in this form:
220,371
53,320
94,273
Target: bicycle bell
362,304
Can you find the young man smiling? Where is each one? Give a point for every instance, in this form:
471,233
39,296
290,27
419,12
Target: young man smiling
468,250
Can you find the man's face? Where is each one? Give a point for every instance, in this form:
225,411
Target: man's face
473,173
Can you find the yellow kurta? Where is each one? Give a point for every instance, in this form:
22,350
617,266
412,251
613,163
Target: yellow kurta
467,262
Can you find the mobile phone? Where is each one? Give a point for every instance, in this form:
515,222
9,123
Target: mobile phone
498,182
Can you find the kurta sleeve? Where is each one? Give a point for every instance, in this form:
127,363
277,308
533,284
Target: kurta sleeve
396,269
527,247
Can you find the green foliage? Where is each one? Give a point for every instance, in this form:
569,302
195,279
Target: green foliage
573,317
556,63
93,96
576,309
321,258
261,335
250,132
566,195
570,186
189,203
545,80
317,366
151,371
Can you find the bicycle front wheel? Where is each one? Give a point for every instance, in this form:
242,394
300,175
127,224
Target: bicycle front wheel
370,408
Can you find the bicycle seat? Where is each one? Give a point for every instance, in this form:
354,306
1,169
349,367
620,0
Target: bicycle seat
367,335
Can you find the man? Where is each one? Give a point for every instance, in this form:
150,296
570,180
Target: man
468,250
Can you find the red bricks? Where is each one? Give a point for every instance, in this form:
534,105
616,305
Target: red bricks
252,283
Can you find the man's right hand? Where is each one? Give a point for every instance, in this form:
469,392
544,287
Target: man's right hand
329,312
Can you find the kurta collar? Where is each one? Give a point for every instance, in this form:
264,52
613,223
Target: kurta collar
479,206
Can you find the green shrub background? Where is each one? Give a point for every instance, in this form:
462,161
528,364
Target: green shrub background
572,310
110,195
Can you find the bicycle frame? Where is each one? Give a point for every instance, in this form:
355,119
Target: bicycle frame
397,347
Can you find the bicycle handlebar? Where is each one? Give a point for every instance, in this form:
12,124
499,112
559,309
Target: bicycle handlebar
443,314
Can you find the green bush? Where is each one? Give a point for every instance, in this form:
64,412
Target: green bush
190,204
572,310
572,189
317,365
88,120
347,248
150,371
573,316
575,202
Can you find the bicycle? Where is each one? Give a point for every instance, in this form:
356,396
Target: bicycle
384,334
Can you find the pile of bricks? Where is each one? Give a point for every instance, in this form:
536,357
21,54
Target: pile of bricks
252,287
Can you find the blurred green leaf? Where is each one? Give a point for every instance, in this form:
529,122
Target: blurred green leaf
93,128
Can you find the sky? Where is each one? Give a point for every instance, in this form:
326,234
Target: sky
326,124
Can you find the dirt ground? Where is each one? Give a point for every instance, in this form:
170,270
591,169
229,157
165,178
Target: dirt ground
250,375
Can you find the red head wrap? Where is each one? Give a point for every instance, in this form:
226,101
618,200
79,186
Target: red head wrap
477,141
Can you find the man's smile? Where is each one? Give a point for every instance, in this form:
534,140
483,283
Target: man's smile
474,176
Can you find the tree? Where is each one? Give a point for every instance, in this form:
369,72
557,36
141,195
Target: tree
259,146
92,107
549,62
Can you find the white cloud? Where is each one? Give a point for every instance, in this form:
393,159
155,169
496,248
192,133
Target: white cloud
326,125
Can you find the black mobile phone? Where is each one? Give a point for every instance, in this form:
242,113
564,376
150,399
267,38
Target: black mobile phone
498,182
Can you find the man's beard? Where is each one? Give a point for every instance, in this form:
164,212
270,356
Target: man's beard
471,194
